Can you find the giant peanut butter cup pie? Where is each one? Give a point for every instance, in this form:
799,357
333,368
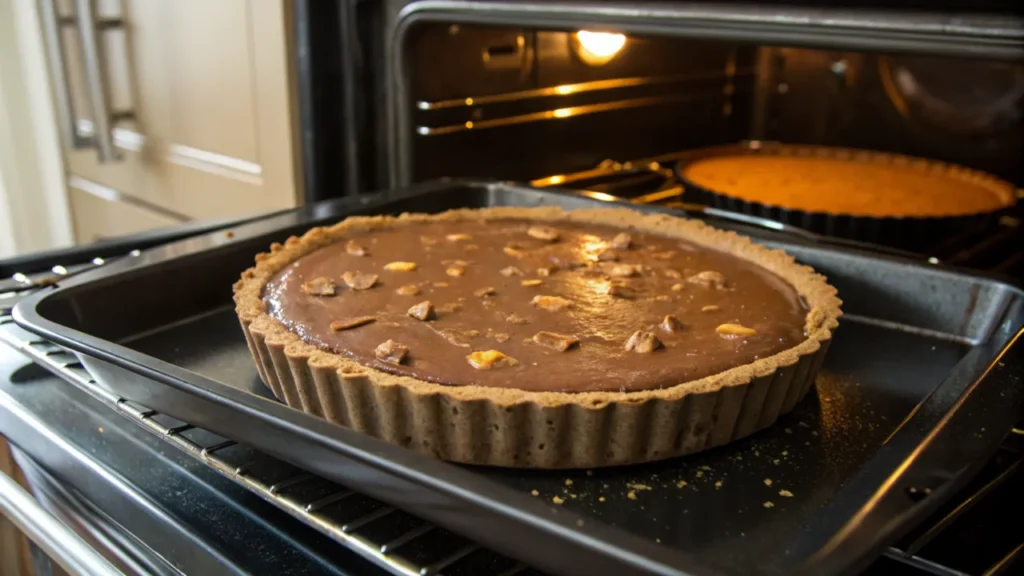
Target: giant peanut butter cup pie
534,336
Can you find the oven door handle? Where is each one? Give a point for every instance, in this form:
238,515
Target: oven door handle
58,541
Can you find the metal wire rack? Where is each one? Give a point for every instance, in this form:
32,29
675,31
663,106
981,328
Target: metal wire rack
406,545
386,536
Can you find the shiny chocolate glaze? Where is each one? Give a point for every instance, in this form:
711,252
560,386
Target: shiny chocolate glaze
580,266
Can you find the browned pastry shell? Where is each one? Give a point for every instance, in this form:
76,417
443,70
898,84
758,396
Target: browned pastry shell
510,427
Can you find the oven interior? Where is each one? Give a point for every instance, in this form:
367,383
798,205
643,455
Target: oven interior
524,104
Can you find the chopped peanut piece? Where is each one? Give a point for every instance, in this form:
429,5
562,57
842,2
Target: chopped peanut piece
459,263
708,279
422,311
320,287
551,303
643,342
339,325
560,342
514,252
621,241
456,337
730,330
671,324
533,282
400,266
353,248
408,290
391,352
457,237
545,271
622,270
616,290
677,287
487,291
500,337
516,319
543,233
566,261
511,271
709,308
488,359
427,240
674,274
358,280
440,284
455,271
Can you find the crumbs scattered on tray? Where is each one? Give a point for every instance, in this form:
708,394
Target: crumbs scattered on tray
769,504
557,500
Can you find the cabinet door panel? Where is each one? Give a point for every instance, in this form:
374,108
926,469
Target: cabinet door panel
97,218
209,86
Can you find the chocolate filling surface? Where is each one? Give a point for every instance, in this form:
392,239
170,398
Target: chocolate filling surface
562,303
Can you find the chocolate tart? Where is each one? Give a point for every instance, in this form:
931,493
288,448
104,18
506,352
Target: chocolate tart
537,337
877,197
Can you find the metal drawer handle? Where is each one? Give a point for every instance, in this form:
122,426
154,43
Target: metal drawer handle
89,28
59,75
51,535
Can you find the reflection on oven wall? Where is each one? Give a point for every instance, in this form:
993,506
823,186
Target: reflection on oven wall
962,111
519,104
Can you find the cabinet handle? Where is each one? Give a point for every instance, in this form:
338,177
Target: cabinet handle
96,79
89,28
58,541
59,76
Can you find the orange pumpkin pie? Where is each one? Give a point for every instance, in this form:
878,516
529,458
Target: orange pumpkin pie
850,182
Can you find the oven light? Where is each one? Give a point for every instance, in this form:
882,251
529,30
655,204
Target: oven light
598,47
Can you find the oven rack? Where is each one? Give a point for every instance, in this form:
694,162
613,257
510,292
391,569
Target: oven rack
386,536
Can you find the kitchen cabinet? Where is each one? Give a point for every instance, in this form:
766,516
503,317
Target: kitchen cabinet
198,101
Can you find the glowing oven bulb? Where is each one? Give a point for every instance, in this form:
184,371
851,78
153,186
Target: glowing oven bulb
599,47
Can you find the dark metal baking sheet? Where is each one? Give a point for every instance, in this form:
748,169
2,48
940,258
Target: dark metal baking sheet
917,357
